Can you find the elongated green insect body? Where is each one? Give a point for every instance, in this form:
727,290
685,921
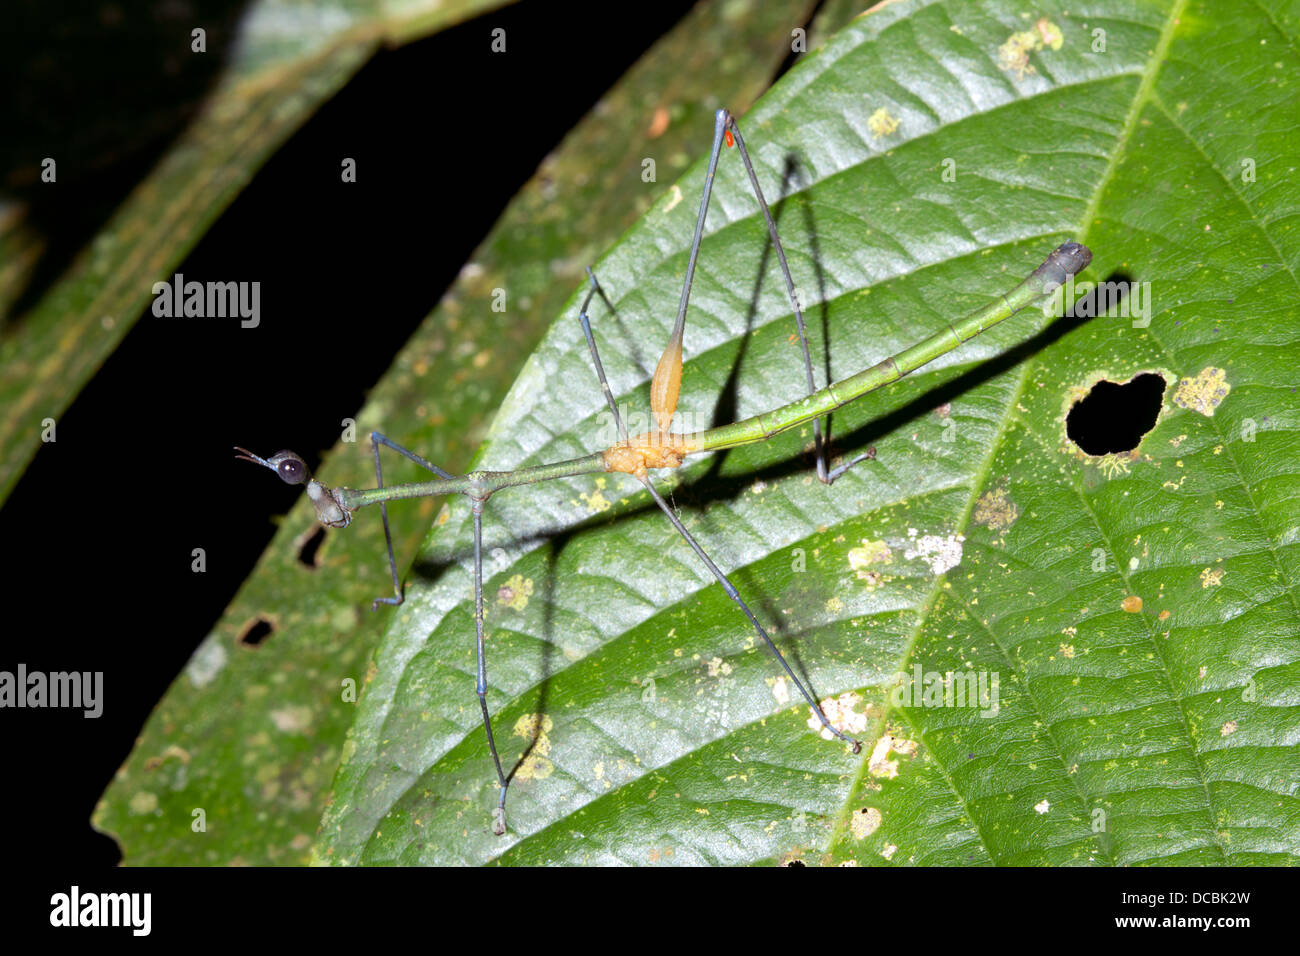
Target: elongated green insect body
1066,260
644,451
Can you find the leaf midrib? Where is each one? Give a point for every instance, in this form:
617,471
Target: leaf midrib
1140,98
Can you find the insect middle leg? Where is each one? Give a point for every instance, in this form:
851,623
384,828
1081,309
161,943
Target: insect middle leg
377,439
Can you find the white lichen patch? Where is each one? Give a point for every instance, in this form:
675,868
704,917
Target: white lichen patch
842,713
1211,578
292,720
205,665
1203,393
781,691
1042,806
143,802
880,765
941,552
674,197
1229,728
864,822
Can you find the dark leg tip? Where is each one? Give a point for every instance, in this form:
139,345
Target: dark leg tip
499,821
857,746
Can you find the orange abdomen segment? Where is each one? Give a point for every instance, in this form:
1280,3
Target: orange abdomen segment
667,384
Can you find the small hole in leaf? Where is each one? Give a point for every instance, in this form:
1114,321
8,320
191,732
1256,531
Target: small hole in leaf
309,546
256,632
1112,418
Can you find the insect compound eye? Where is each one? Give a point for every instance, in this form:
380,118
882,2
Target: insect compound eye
291,469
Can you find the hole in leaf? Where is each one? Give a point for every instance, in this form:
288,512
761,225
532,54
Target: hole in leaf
310,545
1112,418
256,632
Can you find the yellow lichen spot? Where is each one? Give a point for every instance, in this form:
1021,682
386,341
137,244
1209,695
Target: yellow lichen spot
596,501
1111,465
1050,33
718,667
515,592
536,729
995,510
1014,54
882,123
1164,615
172,750
1132,604
535,726
1229,728
1203,393
1067,650
864,823
871,552
534,767
443,514
1211,579
842,715
834,606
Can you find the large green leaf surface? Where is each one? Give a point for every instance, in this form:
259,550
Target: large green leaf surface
1139,611
254,734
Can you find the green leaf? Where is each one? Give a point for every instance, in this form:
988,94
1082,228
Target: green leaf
287,60
1121,736
268,724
